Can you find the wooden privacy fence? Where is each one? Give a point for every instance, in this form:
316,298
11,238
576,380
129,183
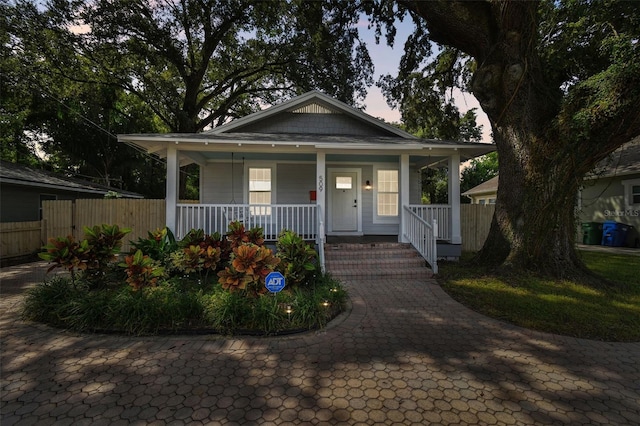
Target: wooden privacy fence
62,218
475,221
20,238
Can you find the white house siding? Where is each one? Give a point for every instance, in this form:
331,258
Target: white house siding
325,124
603,199
216,184
294,181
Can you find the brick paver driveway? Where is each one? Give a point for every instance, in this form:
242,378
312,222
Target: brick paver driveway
405,354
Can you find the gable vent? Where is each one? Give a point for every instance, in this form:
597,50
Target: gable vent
314,109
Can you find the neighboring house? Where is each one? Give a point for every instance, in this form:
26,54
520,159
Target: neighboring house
612,191
23,189
314,165
485,193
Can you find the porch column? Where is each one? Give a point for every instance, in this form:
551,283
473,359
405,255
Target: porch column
404,195
454,196
171,198
321,193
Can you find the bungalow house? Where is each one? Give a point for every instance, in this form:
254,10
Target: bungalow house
319,167
23,189
485,193
612,191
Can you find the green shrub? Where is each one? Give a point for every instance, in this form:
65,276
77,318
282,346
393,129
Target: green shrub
250,265
153,301
65,252
93,255
298,260
47,302
158,245
142,271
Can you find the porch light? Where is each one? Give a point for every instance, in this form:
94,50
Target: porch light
367,185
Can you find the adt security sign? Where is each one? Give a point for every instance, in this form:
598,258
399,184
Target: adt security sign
274,282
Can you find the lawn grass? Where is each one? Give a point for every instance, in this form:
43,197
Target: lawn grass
608,313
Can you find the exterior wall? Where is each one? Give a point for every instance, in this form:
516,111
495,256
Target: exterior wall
325,124
603,199
487,198
22,203
293,181
217,184
19,204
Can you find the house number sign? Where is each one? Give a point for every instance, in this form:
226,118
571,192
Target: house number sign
320,183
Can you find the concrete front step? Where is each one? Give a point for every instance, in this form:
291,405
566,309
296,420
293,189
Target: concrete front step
370,251
375,261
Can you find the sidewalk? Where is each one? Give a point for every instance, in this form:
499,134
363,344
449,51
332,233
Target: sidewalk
405,354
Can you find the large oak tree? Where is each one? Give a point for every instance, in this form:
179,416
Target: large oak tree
560,83
199,63
191,64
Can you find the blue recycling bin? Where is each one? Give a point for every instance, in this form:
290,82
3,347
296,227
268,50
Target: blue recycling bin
614,234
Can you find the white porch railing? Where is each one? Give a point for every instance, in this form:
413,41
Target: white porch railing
422,235
273,218
439,212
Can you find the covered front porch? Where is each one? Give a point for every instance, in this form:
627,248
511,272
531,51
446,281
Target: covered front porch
318,167
423,225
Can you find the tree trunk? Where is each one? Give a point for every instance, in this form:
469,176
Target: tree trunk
541,168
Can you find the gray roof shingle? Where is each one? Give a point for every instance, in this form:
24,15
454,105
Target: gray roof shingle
18,174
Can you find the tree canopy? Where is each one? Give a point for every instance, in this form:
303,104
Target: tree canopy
199,63
81,71
560,83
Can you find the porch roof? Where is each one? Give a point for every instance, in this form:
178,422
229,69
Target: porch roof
310,123
200,147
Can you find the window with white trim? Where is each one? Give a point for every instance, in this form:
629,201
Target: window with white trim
631,193
260,189
387,190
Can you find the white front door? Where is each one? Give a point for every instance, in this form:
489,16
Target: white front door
344,201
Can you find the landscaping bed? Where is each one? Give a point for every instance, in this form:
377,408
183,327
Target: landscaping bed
202,284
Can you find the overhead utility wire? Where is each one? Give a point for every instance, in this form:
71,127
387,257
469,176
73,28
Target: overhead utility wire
100,128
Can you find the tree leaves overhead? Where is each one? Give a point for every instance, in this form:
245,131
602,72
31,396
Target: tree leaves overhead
83,70
201,63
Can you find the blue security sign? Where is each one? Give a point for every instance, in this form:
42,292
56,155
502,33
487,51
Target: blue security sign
274,282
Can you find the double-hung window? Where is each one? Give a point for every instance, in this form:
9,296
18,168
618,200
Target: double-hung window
631,193
260,189
387,193
635,194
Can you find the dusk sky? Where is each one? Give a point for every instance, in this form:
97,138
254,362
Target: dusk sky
386,61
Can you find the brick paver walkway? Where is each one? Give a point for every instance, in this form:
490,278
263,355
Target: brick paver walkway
405,354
